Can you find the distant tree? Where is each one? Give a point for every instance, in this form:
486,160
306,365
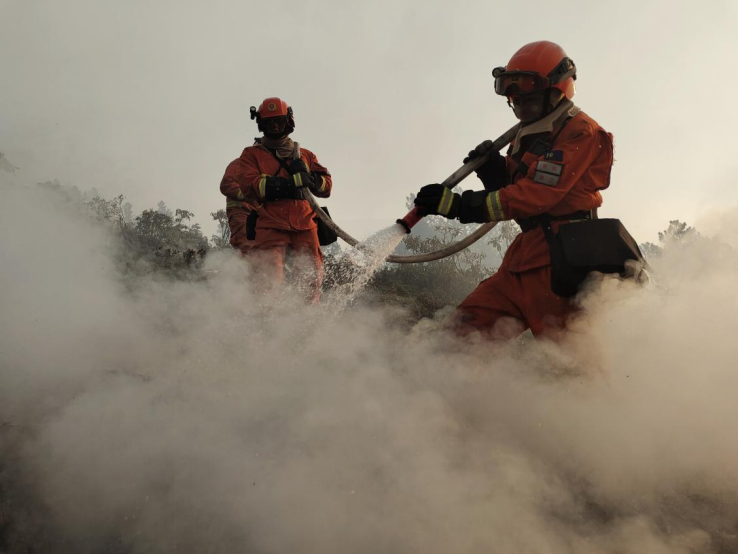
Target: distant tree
677,231
154,241
89,194
503,235
222,238
180,216
160,230
650,250
167,241
163,209
111,211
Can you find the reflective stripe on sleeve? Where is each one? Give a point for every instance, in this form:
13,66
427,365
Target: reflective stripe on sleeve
322,186
234,204
298,180
495,208
445,204
263,186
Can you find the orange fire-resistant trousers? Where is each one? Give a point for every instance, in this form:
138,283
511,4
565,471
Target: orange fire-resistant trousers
306,259
507,304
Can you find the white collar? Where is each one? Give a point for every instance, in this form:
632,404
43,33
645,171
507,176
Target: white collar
546,124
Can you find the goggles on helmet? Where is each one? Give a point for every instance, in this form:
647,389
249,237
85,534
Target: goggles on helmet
517,82
514,83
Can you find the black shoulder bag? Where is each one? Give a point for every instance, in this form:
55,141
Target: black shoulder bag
602,245
326,235
580,247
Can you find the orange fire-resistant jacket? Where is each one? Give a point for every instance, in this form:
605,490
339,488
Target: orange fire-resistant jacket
240,184
565,179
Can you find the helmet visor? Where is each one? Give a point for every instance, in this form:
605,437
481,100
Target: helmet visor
518,83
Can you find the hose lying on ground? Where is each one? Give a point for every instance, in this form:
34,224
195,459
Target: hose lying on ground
449,182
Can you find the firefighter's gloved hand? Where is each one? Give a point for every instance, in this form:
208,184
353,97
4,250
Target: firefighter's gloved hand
492,173
480,150
472,207
304,179
297,166
437,199
280,188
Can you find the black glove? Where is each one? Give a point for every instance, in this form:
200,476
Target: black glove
301,176
472,207
304,180
297,166
493,172
437,199
280,188
480,150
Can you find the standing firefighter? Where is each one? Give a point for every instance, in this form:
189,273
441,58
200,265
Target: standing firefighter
550,178
268,181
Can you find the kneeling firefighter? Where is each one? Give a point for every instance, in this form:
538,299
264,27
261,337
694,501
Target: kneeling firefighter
268,182
550,183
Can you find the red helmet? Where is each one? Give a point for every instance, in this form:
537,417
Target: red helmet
273,107
535,67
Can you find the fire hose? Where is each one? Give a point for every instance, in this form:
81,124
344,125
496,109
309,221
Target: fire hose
413,217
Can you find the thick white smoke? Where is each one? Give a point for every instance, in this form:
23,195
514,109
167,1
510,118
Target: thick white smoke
196,417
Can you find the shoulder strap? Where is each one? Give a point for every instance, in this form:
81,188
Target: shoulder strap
554,136
279,160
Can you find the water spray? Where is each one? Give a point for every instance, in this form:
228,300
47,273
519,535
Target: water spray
411,218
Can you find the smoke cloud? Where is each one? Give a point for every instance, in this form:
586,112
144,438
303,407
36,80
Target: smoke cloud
201,417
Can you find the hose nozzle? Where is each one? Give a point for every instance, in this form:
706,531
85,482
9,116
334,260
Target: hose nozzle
410,219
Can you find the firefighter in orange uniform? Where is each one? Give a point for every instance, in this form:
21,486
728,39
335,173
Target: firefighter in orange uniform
552,174
269,180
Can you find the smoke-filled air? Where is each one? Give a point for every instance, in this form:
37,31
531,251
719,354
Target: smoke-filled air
140,412
387,277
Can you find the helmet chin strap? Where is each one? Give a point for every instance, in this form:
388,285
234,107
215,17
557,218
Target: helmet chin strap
550,102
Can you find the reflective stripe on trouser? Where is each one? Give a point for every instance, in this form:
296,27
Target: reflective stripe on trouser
506,304
306,257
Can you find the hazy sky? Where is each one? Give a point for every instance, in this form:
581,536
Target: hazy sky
151,99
